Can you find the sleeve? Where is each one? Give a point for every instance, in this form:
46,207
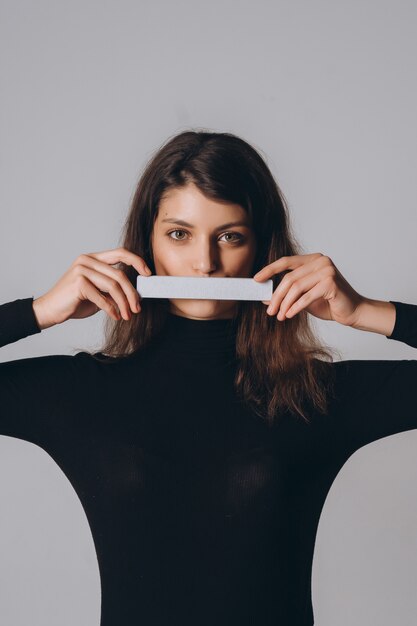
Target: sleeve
17,320
376,398
405,328
41,398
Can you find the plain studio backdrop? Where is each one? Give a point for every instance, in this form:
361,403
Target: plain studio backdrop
327,92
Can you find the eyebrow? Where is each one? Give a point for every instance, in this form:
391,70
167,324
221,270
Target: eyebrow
227,225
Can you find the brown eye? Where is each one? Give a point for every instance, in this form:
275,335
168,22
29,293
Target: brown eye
175,231
238,237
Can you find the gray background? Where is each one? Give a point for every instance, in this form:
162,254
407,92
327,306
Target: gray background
327,91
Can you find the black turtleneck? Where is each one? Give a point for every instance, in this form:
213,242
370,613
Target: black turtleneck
200,512
199,338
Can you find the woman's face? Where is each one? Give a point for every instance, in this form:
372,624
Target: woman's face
204,247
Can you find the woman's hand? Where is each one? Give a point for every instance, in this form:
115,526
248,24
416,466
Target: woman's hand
316,285
91,284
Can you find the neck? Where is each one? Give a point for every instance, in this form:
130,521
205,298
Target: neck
184,336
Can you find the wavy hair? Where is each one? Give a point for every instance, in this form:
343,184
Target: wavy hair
281,366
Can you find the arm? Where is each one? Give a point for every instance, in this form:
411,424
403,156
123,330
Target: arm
376,398
405,328
40,397
17,320
395,320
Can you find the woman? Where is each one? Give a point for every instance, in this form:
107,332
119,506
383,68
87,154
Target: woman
203,438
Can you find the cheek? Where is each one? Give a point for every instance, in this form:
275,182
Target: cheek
241,260
167,259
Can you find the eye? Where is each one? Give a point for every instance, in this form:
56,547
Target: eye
175,231
237,235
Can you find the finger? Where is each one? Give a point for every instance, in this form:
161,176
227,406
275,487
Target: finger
305,300
116,274
294,278
116,255
296,291
108,285
284,263
112,303
100,300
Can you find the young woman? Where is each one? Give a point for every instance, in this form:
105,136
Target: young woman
203,438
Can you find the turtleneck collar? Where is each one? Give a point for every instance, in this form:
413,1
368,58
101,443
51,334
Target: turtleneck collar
205,338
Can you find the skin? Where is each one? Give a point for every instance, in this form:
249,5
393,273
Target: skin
203,250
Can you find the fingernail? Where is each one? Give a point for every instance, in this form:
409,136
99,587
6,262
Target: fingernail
148,271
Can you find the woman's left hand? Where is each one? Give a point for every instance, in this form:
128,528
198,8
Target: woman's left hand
316,285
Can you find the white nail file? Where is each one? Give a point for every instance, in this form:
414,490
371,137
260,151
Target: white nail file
222,288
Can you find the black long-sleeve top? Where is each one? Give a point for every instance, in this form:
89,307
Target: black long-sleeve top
200,512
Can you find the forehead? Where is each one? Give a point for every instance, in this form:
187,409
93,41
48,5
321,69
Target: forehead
188,204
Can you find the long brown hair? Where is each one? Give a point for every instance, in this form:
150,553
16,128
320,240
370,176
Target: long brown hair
278,364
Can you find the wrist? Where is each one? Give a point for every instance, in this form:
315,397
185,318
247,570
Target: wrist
376,316
42,319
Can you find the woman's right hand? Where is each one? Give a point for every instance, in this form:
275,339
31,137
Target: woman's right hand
91,284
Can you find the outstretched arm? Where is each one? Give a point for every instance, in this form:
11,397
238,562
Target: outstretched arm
376,316
377,398
39,396
17,320
395,320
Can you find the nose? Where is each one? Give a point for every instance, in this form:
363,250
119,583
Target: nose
207,262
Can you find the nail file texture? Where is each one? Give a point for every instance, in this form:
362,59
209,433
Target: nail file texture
223,288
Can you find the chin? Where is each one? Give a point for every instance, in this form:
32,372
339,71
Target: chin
202,308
